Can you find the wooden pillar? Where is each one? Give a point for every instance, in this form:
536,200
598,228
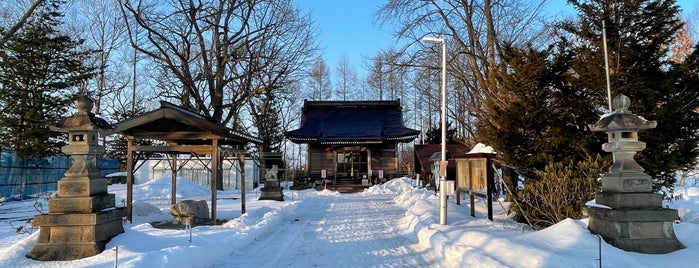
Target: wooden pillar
334,168
129,178
368,166
490,186
173,187
241,161
396,152
215,173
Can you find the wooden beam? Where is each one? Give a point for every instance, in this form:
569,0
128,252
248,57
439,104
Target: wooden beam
195,149
179,135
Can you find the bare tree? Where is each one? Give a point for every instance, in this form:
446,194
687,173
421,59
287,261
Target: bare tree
376,80
319,81
474,31
100,24
681,46
214,56
347,79
13,28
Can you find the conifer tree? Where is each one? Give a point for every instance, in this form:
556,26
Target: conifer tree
544,117
639,36
39,70
434,135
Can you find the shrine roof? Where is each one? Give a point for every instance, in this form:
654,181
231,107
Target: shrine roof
172,122
351,122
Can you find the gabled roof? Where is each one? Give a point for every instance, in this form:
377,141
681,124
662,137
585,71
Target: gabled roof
168,120
351,122
423,153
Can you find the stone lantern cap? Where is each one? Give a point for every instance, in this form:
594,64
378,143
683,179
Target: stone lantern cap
83,119
622,119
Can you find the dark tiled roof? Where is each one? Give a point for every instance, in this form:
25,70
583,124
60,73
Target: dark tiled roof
351,122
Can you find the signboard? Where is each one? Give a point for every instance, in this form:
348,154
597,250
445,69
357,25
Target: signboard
323,173
474,177
471,174
380,173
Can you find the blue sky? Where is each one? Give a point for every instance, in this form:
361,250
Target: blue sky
348,27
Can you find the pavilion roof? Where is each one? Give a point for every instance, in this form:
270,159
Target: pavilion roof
174,123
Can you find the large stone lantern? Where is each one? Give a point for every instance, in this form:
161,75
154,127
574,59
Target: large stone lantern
627,213
82,216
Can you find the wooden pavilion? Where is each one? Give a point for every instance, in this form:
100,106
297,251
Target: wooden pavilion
352,141
182,132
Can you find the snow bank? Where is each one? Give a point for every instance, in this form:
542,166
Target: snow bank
161,187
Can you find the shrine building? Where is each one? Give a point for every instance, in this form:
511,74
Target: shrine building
352,142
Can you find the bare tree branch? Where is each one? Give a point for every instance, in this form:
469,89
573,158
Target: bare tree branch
18,25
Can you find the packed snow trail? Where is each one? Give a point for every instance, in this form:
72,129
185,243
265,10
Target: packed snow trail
354,229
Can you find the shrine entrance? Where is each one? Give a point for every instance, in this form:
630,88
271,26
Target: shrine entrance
352,165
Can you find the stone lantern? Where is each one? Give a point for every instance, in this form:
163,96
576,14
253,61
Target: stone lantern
627,213
82,216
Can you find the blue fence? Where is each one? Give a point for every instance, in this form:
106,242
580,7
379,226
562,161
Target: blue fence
35,176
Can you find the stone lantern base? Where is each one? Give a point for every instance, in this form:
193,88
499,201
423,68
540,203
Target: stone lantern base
635,222
271,191
85,236
74,233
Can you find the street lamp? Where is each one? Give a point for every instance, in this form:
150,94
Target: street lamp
443,162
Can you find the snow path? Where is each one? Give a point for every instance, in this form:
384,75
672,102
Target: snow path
353,229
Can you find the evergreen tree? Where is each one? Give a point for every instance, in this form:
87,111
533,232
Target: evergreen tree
39,71
678,119
269,127
639,36
539,131
543,118
434,135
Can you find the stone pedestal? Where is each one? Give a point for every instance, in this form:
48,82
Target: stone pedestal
272,189
82,217
635,222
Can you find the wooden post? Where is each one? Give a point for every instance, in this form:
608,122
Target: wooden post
215,165
241,160
173,187
470,189
368,166
490,183
129,178
334,169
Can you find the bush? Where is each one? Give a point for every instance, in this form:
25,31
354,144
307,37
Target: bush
558,192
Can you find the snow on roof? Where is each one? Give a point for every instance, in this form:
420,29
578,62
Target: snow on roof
482,148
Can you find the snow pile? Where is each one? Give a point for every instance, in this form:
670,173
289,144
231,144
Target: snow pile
481,148
688,204
394,186
160,188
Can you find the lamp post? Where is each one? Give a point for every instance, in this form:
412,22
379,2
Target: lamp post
443,162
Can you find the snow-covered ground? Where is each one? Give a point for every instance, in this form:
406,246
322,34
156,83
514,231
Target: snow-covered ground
390,225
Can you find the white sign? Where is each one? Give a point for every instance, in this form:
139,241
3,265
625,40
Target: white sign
323,173
380,173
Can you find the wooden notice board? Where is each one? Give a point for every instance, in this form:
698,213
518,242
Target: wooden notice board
475,178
